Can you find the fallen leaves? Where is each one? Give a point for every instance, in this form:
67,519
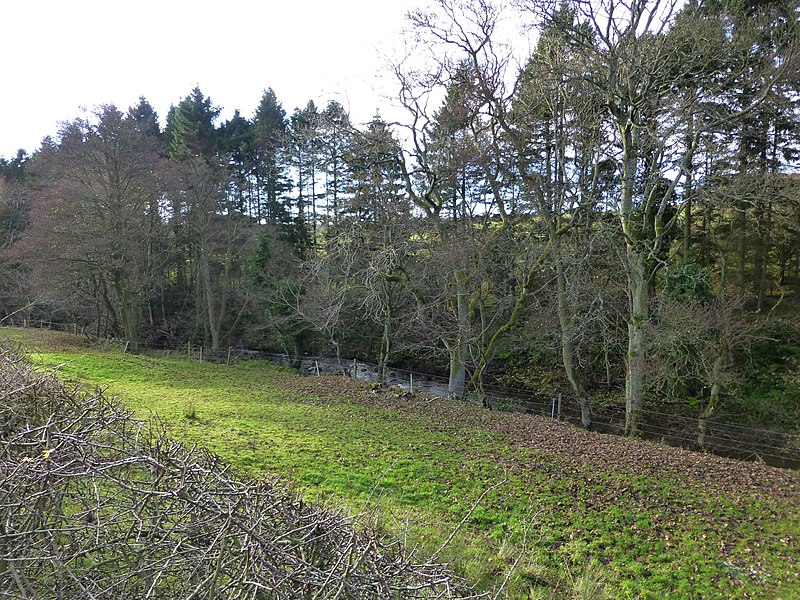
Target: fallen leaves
576,447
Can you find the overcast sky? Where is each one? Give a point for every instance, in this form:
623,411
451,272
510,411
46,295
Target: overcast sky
61,55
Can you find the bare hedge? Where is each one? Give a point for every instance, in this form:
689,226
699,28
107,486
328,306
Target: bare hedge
95,504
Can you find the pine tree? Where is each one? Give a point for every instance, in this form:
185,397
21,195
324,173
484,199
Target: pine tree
305,151
270,165
191,128
336,137
236,141
145,118
378,189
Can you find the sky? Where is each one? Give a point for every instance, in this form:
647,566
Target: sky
63,57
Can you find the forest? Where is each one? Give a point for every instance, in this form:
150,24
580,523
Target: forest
616,218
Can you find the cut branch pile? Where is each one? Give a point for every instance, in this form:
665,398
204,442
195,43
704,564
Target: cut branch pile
94,504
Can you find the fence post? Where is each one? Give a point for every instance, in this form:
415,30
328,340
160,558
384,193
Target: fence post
355,369
553,409
316,366
411,382
559,406
75,328
201,354
228,360
125,349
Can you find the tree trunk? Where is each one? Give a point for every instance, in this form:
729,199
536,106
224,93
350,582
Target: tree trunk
687,229
214,324
130,324
128,315
716,388
568,344
458,373
128,312
741,246
634,262
761,259
687,211
636,359
386,339
458,351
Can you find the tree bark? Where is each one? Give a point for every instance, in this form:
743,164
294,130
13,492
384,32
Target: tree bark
568,344
128,313
386,340
741,246
636,358
214,326
634,264
458,351
716,388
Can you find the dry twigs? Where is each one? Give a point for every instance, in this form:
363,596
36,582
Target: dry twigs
94,504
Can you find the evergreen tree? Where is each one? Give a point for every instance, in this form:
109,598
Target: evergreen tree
270,164
751,158
14,169
305,151
376,169
237,147
336,135
191,128
145,117
206,227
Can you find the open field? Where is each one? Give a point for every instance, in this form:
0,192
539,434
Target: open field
568,509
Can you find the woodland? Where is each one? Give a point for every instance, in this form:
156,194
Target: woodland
615,218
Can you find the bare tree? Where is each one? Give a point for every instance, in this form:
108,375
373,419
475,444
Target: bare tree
92,222
661,73
16,294
694,346
536,127
454,177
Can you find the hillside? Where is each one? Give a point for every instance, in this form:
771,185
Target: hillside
95,504
560,508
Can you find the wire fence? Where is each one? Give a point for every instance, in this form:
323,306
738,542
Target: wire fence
773,446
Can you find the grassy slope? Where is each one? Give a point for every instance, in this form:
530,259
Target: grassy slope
653,521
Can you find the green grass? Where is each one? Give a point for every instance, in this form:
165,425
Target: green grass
574,530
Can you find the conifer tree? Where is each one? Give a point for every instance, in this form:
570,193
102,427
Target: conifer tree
270,156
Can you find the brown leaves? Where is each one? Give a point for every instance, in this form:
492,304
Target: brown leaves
568,444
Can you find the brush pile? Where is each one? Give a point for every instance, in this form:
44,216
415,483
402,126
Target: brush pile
95,504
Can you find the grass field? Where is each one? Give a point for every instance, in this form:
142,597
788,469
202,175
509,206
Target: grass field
569,513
